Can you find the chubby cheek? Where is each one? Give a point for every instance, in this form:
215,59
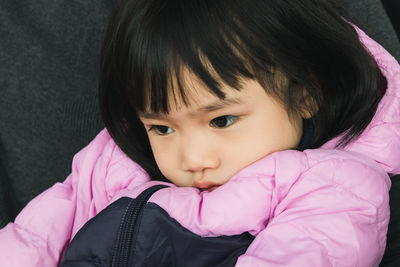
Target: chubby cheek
243,154
166,159
255,145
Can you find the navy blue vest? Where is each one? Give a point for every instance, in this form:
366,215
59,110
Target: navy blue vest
133,232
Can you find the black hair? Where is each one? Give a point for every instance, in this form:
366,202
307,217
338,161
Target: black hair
303,52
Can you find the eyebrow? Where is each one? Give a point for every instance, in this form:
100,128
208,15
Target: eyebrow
213,106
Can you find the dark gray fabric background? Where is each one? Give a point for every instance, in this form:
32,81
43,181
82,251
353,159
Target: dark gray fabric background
393,10
371,16
49,57
49,53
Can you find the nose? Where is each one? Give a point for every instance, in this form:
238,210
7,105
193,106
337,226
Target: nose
198,154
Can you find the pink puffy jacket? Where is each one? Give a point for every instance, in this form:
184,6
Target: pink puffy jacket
322,207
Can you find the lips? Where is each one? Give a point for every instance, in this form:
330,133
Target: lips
206,185
212,188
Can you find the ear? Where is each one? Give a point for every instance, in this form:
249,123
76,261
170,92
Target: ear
308,106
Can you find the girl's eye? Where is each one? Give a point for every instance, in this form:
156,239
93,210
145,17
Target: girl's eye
161,130
223,121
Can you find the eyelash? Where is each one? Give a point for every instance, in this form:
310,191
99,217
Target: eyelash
233,119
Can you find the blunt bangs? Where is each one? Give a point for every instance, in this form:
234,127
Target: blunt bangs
160,40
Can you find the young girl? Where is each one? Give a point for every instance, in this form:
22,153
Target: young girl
274,118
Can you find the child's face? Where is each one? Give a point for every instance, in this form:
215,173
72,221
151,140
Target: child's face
205,143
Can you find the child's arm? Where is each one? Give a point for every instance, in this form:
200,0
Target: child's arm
45,226
41,230
335,215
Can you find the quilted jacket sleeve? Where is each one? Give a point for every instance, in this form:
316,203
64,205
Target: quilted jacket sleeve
43,228
336,214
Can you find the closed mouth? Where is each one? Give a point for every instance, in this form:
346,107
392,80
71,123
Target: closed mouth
211,188
205,185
